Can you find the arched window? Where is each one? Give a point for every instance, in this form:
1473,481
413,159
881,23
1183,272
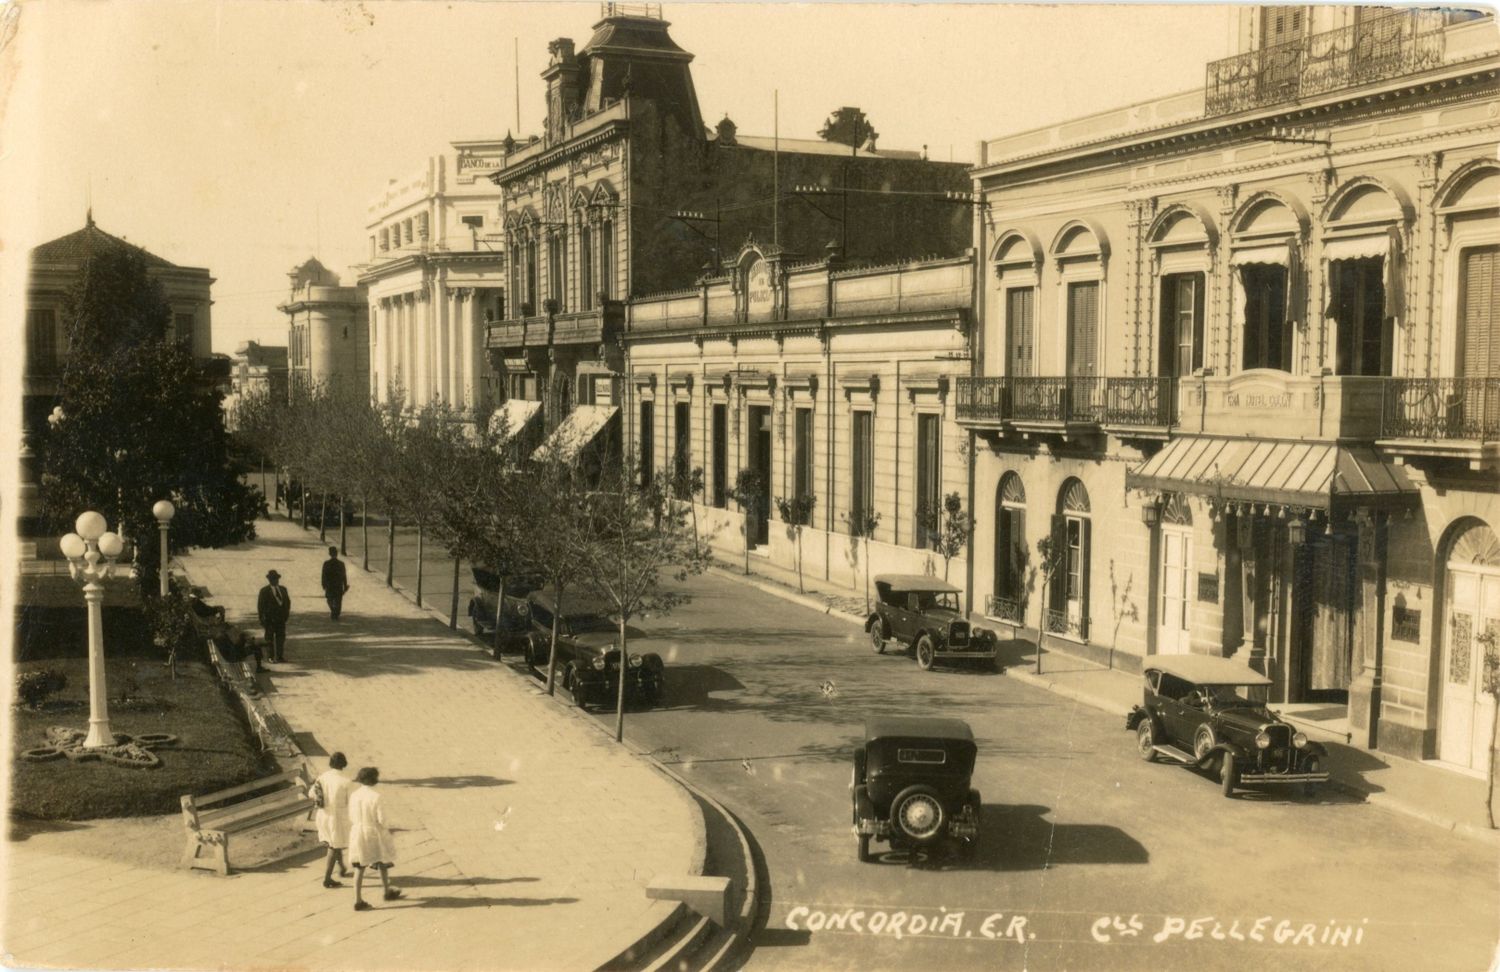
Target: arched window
1068,596
1081,253
1362,266
1264,257
1011,555
1017,265
1181,242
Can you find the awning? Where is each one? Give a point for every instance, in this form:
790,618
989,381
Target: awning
1310,475
581,427
1278,255
514,415
1357,248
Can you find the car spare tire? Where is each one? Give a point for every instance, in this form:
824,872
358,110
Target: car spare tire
917,814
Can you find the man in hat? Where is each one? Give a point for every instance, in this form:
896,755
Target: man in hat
274,607
335,582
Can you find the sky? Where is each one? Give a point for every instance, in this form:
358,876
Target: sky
247,135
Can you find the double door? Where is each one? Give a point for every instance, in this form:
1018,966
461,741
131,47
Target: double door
1174,623
1467,711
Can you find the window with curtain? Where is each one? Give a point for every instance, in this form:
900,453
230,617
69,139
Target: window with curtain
1181,350
1356,302
1267,332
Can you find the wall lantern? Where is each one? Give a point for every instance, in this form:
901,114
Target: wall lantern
1296,531
1151,512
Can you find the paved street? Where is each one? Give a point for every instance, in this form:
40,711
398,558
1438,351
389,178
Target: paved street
1077,828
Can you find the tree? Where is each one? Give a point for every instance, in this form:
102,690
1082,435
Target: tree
141,422
1050,556
848,126
750,493
635,542
948,529
797,513
1489,642
687,482
552,498
473,469
862,524
426,443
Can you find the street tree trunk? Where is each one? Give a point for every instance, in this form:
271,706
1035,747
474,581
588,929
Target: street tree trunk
747,542
552,651
800,588
364,530
1489,792
453,612
1041,622
499,615
866,544
390,552
420,537
323,519
304,504
343,529
620,694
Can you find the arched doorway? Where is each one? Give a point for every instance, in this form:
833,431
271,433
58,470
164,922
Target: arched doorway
1175,622
1471,631
1008,599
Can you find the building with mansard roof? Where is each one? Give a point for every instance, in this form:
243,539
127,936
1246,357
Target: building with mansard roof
1240,364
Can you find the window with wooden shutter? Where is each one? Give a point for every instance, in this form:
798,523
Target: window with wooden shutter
1083,329
862,491
929,431
721,455
804,448
1020,305
1479,295
648,443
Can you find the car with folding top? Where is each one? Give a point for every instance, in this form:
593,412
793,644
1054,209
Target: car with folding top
922,615
1198,710
485,601
588,651
912,785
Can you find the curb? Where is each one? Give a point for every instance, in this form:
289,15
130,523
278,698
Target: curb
1067,691
776,590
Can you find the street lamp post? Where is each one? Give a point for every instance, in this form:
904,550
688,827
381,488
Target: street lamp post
164,511
91,552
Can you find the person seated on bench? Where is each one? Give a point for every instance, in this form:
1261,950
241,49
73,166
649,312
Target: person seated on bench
234,647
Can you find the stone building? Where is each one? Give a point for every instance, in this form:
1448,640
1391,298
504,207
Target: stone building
327,337
435,279
626,193
255,370
827,381
1240,362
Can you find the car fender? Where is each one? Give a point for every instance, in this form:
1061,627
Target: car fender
1239,753
875,619
864,809
653,661
1134,716
1315,749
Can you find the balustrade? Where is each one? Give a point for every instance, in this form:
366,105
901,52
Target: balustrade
1441,408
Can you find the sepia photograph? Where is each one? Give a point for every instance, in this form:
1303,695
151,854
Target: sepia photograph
509,485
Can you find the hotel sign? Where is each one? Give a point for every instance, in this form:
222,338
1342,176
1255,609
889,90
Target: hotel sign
760,299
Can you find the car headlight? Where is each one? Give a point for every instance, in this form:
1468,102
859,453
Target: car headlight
636,661
1262,740
599,663
1299,739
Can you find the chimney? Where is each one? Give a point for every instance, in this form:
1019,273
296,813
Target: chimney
563,98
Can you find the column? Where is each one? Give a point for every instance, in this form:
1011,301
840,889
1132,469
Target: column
1369,630
437,309
468,331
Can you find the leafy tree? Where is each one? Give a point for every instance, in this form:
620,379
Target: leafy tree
862,524
687,482
473,467
552,499
635,542
141,422
948,529
750,493
797,513
848,126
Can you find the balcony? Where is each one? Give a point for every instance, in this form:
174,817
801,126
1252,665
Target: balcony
1062,404
1442,418
1393,44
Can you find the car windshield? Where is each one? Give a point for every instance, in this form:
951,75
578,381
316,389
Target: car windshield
927,600
1227,695
590,624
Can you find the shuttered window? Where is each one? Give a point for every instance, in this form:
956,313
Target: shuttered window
804,446
1479,337
648,443
929,432
721,455
1083,329
862,479
1020,320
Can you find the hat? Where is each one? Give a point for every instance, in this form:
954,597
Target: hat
271,575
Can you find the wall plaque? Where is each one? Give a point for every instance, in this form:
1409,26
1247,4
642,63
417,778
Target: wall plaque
1406,624
1208,587
760,300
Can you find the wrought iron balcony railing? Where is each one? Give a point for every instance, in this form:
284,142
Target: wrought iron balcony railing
1058,622
1389,45
1009,609
1080,401
1441,408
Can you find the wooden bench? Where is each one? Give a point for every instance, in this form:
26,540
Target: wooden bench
210,822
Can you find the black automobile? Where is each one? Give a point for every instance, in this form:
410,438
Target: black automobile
922,614
588,653
482,604
911,785
1197,711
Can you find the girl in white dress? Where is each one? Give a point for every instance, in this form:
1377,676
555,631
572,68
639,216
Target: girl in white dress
370,843
331,791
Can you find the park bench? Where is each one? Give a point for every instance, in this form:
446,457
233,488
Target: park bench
211,819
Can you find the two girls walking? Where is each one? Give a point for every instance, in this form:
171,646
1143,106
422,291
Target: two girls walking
351,822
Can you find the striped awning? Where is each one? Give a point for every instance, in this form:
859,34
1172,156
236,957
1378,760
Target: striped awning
1309,475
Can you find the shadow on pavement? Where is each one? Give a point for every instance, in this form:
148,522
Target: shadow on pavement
450,782
1020,838
417,881
452,901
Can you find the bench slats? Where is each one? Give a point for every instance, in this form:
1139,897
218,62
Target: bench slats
263,815
215,819
208,830
260,784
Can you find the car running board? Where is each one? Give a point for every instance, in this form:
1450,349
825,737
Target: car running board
1175,754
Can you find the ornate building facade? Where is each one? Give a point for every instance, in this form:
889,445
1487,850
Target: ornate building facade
435,279
1240,366
328,330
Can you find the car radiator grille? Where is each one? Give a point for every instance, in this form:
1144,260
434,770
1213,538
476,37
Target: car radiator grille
1278,757
958,634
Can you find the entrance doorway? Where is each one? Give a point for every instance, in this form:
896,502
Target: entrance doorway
1174,628
759,453
1466,718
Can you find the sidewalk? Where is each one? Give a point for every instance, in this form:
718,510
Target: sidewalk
464,746
1441,797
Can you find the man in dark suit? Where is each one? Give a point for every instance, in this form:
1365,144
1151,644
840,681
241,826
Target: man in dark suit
274,607
335,582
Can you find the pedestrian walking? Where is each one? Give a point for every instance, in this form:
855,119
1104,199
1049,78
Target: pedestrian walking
330,792
370,843
274,607
335,582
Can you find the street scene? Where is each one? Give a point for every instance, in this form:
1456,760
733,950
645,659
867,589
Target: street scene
624,486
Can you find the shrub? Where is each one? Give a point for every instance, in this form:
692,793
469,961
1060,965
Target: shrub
32,688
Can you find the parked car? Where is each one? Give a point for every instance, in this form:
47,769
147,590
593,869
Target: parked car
483,602
922,614
588,653
911,784
1197,711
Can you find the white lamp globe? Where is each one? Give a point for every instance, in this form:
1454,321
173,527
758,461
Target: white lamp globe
163,511
110,545
90,525
72,546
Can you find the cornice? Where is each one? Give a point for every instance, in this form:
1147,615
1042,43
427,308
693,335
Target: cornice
805,327
561,152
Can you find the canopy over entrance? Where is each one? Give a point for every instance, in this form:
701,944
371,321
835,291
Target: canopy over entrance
581,427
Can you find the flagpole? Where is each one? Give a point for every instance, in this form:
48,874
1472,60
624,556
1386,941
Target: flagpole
776,168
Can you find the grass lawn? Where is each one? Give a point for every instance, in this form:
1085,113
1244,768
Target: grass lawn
215,747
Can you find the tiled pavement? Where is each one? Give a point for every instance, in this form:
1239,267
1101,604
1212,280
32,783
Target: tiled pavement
526,838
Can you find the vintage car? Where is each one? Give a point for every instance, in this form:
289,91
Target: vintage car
483,602
1197,712
922,614
588,654
911,784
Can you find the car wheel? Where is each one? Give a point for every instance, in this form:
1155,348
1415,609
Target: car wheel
1229,774
859,766
1310,790
571,684
531,660
925,653
917,813
1203,742
864,849
877,637
475,625
1145,740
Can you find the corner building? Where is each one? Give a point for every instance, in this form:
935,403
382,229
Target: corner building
1240,362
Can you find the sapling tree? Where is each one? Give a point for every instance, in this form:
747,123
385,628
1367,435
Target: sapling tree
1050,554
687,482
862,524
1489,642
797,513
750,493
552,495
948,529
